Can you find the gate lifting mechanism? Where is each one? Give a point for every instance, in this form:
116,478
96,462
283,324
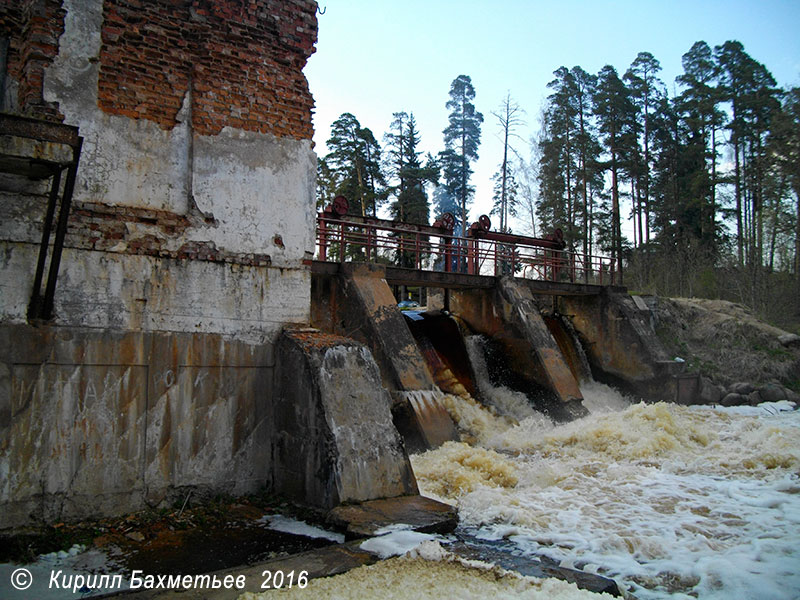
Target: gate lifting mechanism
342,237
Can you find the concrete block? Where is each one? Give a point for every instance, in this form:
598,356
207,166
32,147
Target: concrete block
334,440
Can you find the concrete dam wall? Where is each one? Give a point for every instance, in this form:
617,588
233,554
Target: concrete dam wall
174,354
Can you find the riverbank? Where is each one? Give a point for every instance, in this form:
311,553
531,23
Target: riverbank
735,352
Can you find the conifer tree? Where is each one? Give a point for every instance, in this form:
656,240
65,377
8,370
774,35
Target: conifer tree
645,89
409,174
751,92
615,115
558,156
698,107
461,139
355,159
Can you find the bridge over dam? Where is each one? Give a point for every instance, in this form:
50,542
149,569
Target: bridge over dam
546,322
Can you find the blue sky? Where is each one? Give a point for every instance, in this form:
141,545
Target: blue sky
377,57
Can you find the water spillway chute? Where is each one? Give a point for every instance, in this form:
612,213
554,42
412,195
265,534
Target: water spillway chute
440,340
505,375
568,342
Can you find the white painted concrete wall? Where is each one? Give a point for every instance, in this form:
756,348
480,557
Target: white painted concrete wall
257,188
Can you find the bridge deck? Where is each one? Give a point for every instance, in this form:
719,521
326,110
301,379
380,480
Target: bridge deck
442,279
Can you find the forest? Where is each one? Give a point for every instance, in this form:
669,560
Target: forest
694,193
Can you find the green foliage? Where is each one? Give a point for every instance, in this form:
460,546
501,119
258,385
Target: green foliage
410,176
352,168
462,137
708,180
570,177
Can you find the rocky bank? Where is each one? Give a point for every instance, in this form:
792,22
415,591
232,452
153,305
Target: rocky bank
740,359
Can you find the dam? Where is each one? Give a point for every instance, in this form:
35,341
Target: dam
165,278
180,320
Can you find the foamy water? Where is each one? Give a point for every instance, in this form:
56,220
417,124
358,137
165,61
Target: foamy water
671,501
430,572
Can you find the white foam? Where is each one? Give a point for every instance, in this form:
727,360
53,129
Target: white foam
765,408
289,525
507,401
396,543
670,500
599,398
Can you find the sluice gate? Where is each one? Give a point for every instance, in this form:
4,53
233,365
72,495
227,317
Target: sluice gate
536,340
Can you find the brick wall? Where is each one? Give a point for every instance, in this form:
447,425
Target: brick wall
33,28
148,233
241,60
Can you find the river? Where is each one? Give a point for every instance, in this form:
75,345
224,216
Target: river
670,501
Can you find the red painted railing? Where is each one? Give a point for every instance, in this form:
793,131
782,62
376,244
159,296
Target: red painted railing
346,238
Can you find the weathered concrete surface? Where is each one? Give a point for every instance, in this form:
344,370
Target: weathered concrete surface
420,513
185,254
564,335
101,423
146,293
334,438
358,303
366,310
621,345
518,308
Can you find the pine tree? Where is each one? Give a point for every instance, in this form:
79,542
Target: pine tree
461,139
698,107
588,150
326,183
569,157
558,156
751,91
355,160
784,146
615,114
646,89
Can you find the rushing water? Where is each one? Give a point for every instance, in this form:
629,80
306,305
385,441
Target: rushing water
671,501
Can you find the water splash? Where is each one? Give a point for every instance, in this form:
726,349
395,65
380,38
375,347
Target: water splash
669,500
505,400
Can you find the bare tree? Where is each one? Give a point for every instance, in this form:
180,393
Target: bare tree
509,116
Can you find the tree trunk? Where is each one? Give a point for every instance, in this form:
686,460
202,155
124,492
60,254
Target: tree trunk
503,205
738,195
797,248
615,226
713,215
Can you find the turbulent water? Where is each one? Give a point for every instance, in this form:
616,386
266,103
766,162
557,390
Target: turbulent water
670,501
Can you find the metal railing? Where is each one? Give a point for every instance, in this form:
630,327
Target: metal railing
351,238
